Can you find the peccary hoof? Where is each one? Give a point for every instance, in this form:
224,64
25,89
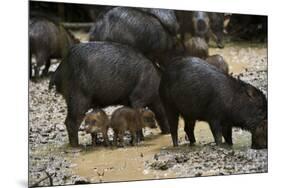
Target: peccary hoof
94,144
105,144
133,144
192,143
74,145
175,144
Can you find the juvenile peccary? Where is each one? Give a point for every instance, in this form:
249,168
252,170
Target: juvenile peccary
132,120
192,88
135,28
197,47
97,122
100,74
47,40
219,62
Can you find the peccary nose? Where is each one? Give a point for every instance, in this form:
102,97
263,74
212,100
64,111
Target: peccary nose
259,137
201,25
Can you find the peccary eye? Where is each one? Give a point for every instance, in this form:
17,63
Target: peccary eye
93,122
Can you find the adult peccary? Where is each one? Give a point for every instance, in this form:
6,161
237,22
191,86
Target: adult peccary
136,28
192,88
197,47
47,40
167,18
195,23
99,74
201,24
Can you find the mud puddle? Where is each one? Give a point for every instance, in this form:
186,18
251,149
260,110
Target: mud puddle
100,164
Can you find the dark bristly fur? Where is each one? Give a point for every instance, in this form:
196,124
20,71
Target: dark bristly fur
99,74
136,28
192,88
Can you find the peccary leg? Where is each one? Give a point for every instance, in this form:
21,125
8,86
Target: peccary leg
77,106
72,129
105,137
134,138
173,118
137,103
121,139
140,136
115,135
216,131
94,139
47,66
160,115
40,61
227,134
189,130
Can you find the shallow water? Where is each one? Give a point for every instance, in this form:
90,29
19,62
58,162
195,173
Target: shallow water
125,164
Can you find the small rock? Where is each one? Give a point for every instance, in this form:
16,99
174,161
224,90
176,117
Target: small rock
181,158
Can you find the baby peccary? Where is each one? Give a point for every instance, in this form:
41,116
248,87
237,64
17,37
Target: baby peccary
97,122
219,62
197,47
132,120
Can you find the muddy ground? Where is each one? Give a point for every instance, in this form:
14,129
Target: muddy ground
155,158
